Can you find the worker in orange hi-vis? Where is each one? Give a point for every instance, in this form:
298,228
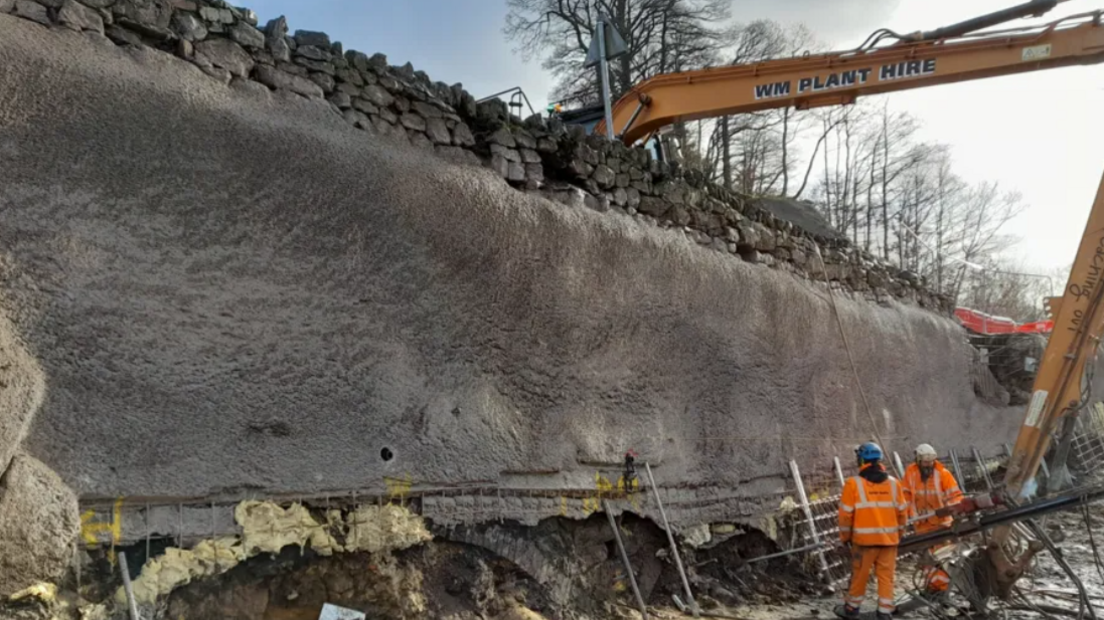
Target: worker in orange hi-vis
929,486
872,513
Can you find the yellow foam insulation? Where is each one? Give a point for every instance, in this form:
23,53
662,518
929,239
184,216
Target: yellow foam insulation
380,528
769,525
96,611
178,567
519,612
268,528
45,592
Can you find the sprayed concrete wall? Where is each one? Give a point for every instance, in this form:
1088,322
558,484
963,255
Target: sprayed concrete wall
229,290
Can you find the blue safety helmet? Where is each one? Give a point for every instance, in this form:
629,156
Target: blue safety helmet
868,452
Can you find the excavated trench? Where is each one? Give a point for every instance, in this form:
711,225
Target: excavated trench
561,568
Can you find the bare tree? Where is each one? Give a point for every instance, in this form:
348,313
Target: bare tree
863,165
977,227
949,190
661,36
1010,289
753,152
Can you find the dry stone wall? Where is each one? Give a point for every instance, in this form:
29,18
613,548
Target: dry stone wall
538,155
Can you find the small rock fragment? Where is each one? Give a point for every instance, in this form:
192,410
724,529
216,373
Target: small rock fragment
228,55
153,14
316,65
462,135
365,106
79,17
314,53
308,37
427,110
324,81
413,121
189,27
378,95
358,60
341,100
502,137
32,11
276,39
516,172
378,62
274,78
357,118
438,131
247,36
122,36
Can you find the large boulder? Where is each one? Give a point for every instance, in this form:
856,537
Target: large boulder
39,522
22,386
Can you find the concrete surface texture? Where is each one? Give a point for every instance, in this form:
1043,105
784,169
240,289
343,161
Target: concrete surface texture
22,387
228,290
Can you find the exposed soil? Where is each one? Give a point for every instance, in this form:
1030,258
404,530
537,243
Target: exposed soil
456,581
437,580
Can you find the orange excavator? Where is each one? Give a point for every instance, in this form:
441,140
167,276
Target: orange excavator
956,53
953,54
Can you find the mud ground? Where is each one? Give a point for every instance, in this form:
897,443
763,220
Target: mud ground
455,581
785,595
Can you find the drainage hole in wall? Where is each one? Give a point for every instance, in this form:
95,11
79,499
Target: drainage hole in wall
386,454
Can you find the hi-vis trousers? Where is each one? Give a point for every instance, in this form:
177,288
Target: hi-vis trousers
936,579
883,560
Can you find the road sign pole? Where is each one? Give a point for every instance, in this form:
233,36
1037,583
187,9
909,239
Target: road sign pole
603,72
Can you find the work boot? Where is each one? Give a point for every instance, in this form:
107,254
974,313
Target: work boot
847,612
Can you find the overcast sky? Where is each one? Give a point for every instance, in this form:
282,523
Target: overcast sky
1038,133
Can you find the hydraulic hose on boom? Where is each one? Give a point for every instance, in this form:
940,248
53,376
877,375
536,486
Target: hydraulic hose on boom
839,78
1035,8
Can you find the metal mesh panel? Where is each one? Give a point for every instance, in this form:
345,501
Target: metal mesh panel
818,491
1088,439
975,472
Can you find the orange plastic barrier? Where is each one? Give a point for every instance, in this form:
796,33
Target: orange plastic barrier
981,323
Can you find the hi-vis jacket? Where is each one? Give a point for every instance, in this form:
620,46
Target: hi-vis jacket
925,497
872,514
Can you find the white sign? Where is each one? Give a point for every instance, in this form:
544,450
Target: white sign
1036,52
1038,400
333,612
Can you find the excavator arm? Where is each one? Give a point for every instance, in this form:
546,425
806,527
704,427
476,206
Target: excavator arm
947,55
1058,392
840,78
1078,325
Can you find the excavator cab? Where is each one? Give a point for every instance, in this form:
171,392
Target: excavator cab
589,117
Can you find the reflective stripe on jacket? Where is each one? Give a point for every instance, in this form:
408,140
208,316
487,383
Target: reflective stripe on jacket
872,514
927,496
